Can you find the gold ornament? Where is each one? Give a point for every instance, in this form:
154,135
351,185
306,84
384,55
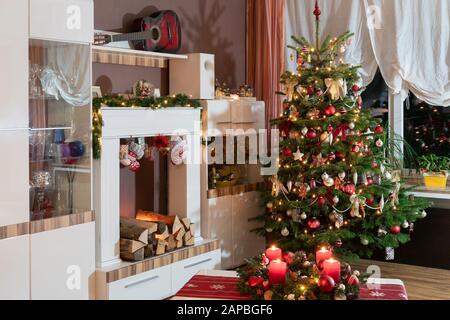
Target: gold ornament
336,88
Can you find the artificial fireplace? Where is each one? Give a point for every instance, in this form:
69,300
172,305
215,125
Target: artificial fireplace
183,181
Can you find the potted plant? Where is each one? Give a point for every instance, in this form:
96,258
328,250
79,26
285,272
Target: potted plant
434,170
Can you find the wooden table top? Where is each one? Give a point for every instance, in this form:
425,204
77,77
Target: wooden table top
421,283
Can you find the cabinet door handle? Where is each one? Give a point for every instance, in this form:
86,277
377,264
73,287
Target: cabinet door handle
197,263
141,281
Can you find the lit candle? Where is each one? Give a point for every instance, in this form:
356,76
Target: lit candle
323,254
332,268
273,253
277,272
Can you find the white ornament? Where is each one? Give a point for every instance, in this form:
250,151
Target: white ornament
341,287
342,175
379,143
303,216
388,175
291,296
356,273
364,242
355,178
269,205
304,131
329,182
285,232
269,230
336,200
289,185
423,214
405,224
382,169
325,176
369,134
351,125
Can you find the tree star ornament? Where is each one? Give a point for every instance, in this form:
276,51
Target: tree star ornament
298,156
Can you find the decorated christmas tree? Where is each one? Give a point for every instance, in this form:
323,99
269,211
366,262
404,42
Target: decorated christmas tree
335,185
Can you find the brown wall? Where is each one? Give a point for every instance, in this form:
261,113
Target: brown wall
208,26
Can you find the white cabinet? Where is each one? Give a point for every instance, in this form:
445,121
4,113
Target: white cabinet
63,263
65,20
152,285
245,244
14,189
159,283
15,268
184,270
14,64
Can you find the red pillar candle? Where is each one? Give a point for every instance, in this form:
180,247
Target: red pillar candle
323,254
273,253
332,268
277,272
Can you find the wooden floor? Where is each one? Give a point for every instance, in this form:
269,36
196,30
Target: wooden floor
421,283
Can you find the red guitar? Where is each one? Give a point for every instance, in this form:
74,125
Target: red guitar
160,32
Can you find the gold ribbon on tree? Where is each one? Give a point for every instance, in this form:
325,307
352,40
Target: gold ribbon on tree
336,88
358,203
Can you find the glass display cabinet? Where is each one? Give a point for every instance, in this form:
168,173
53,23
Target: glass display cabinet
60,131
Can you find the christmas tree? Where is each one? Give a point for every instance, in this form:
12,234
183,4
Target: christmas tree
335,186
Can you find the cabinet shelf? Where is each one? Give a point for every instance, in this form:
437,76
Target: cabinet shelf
130,57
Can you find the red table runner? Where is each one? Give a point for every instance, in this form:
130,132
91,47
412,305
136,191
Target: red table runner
224,288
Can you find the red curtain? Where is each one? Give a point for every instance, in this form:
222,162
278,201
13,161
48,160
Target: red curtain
266,52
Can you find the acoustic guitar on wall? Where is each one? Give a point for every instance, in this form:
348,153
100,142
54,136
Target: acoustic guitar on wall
159,32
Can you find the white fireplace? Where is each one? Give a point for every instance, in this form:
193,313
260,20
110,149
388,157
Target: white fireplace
183,180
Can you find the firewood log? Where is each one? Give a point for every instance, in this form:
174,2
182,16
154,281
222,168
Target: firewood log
173,222
179,235
149,251
171,243
161,247
151,226
132,250
133,232
164,235
138,255
186,223
179,243
188,239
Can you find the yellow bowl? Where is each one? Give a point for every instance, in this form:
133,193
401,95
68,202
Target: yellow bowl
437,180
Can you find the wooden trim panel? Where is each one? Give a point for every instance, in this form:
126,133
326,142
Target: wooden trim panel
14,230
160,261
61,222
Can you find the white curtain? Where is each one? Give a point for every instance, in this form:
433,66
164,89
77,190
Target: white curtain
407,39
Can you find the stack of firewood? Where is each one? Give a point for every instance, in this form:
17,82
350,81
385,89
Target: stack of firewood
153,234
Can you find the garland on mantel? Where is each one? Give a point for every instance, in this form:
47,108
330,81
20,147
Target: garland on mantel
179,100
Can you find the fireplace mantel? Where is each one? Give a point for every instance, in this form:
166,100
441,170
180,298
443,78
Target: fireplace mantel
184,180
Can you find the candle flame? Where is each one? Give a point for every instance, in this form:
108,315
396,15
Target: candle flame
273,248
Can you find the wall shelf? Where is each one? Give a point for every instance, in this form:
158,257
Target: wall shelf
129,57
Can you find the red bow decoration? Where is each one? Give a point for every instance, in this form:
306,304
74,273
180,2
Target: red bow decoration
255,281
329,195
341,130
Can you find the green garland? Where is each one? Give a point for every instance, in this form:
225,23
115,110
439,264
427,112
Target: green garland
179,100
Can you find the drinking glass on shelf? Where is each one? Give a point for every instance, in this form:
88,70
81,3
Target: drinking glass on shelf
35,86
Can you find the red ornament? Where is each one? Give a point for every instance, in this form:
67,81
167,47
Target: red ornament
287,152
285,127
312,183
255,281
332,156
135,166
311,134
311,90
300,61
321,201
317,11
326,284
379,129
161,142
329,110
355,88
259,292
340,155
353,280
313,224
349,188
266,285
288,257
374,165
370,201
356,149
369,181
395,229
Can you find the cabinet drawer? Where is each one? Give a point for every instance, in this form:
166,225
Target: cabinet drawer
184,270
247,112
64,20
152,285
